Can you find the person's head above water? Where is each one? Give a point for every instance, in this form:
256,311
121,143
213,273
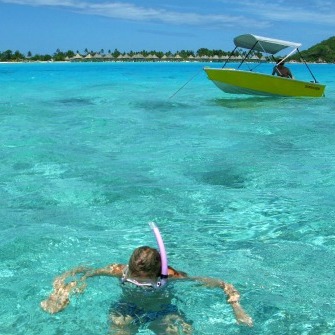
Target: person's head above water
145,262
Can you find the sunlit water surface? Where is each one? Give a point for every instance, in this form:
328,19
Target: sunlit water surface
242,188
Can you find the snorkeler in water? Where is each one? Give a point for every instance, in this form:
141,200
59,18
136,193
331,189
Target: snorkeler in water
144,300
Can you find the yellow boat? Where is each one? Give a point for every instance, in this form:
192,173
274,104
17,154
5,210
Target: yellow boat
238,81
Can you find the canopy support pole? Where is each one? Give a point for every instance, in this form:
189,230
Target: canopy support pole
247,55
229,57
307,66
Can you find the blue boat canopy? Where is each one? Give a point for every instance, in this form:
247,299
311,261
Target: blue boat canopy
263,44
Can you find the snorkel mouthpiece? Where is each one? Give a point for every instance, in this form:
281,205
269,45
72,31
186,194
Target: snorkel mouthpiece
164,270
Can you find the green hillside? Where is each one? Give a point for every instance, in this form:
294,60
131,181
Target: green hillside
321,52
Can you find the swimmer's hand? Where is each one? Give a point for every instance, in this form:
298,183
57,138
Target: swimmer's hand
60,297
240,315
233,298
58,300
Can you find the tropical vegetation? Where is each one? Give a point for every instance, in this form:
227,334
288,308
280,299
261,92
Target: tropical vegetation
321,52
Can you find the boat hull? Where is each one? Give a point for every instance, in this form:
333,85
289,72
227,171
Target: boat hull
253,83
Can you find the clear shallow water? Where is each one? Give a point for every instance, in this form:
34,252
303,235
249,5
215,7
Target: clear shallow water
242,188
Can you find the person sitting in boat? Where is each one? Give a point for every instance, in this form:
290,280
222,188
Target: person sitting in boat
144,300
281,70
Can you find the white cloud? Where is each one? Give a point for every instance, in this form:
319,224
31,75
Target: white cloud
63,3
245,13
129,11
307,11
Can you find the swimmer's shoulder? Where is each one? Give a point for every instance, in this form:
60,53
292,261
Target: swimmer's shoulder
173,273
111,270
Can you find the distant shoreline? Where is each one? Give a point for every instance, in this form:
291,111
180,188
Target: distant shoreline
147,61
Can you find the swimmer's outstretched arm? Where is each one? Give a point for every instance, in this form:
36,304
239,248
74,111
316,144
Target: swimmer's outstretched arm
63,286
233,296
112,270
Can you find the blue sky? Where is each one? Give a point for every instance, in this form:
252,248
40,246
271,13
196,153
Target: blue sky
43,26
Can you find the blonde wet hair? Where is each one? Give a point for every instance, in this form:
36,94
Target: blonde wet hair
145,262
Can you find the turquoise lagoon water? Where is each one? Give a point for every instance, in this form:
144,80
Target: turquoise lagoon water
242,188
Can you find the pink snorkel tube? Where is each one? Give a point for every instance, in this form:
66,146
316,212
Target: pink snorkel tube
164,271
